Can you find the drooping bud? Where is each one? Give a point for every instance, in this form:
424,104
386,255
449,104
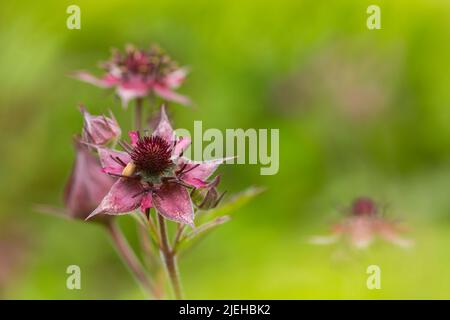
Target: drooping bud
207,197
99,130
87,184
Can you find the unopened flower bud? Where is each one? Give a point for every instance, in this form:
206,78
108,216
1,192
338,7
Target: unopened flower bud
99,130
87,184
207,197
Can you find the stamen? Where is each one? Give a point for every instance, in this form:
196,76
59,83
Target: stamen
122,176
118,160
181,183
182,168
126,146
190,169
142,192
177,181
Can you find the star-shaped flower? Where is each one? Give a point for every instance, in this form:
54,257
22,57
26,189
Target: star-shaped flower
153,173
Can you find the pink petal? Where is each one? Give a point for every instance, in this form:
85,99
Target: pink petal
197,183
182,144
389,232
111,79
136,84
134,137
174,79
124,196
110,165
169,95
132,89
197,172
164,128
126,95
146,202
105,82
173,202
361,232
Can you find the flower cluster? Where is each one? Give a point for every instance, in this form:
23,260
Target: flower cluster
148,173
148,176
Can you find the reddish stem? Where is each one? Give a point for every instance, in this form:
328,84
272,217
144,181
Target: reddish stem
130,259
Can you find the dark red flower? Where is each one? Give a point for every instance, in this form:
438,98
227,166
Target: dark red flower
153,173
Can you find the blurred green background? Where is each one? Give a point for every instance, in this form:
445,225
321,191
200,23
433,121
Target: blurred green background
360,112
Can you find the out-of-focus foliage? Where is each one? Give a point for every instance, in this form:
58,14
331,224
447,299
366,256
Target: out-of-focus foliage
360,113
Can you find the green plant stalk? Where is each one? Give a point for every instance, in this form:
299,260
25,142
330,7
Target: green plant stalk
169,258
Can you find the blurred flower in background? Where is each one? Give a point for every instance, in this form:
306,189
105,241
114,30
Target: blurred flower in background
137,73
364,222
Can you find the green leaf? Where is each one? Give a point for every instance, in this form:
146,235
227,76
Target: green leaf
235,202
200,232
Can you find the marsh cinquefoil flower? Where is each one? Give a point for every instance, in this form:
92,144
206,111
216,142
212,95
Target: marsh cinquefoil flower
138,73
153,173
363,224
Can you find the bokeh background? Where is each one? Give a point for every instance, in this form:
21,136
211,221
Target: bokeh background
360,112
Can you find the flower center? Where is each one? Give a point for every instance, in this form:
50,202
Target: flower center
153,63
364,206
136,62
152,156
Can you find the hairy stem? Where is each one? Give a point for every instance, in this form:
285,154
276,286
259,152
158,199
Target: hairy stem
169,258
130,259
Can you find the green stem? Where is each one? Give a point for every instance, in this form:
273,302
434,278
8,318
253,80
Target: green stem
169,258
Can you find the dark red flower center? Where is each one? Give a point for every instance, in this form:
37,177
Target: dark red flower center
152,155
153,63
136,61
364,206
